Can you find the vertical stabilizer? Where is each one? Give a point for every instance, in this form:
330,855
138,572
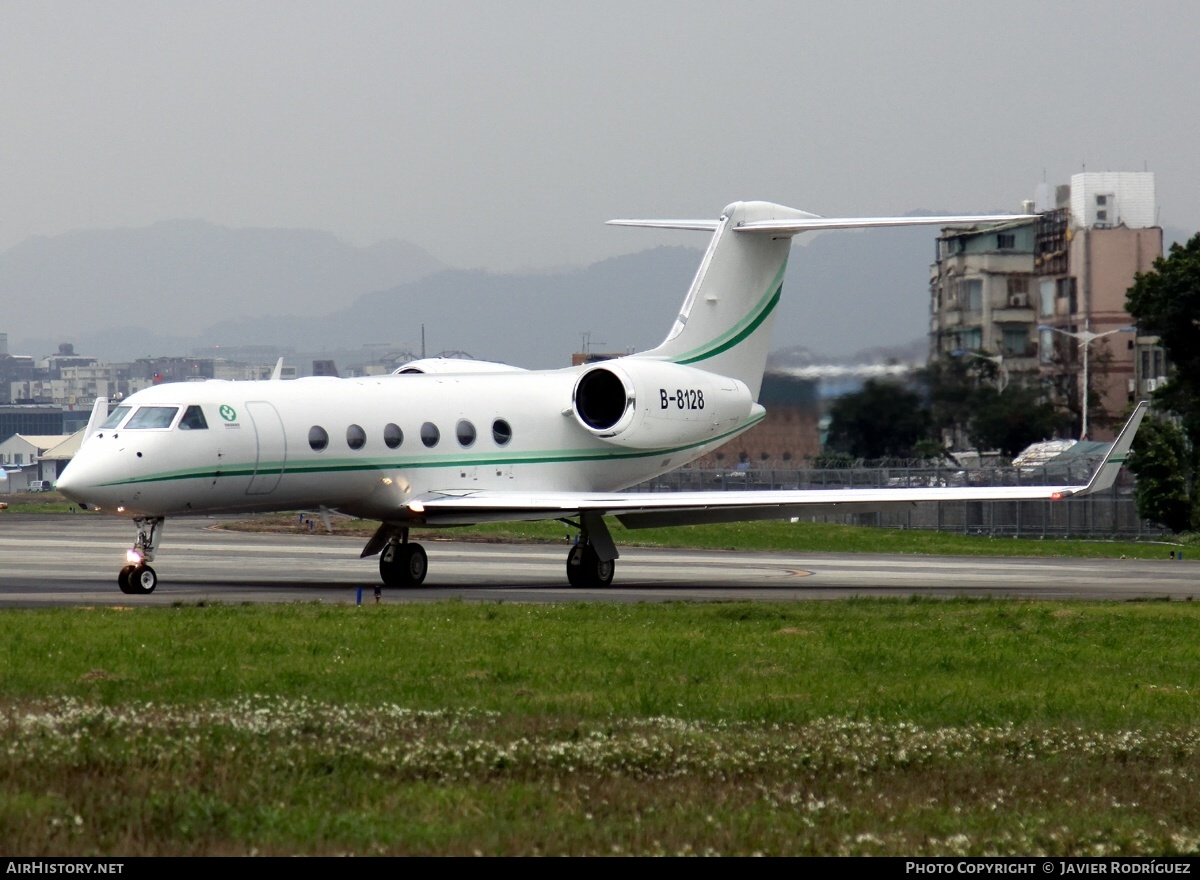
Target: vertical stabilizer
725,323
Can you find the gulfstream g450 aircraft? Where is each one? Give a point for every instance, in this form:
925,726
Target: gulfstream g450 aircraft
453,442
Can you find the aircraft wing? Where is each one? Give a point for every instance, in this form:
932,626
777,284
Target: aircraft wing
654,509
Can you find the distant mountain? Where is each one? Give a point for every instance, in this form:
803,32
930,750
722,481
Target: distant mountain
183,285
180,275
849,291
535,321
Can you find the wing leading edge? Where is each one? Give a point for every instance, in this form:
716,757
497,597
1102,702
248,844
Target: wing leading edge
639,510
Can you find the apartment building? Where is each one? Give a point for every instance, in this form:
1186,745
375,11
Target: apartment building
1044,298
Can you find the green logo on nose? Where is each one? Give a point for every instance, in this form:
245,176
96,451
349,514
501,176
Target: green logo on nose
228,413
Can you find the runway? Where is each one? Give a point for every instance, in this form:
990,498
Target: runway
72,560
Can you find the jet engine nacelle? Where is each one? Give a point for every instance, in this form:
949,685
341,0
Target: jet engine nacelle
646,404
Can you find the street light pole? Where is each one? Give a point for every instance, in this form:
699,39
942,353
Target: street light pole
1086,338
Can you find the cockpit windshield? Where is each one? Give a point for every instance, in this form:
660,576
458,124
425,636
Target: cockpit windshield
193,419
115,417
153,417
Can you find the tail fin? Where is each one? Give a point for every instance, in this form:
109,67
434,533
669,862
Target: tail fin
725,323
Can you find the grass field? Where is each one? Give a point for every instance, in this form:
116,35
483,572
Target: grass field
855,727
858,727
810,537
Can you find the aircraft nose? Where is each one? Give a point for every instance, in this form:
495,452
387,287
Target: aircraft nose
80,481
69,484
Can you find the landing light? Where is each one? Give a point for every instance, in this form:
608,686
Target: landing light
121,509
416,506
1056,496
133,557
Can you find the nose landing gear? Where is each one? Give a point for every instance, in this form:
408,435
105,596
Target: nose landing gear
137,577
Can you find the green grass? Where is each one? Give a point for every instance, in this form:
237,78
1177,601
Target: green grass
36,502
855,727
768,535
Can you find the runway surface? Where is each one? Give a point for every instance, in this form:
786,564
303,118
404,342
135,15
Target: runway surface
67,560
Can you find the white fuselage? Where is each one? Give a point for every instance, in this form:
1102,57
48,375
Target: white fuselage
261,448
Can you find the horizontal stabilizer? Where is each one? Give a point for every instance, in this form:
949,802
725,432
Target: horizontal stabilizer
814,223
793,227
701,225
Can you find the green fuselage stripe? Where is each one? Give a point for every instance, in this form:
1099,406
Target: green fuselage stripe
743,329
375,464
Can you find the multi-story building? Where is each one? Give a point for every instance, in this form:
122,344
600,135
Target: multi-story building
1044,298
37,419
980,294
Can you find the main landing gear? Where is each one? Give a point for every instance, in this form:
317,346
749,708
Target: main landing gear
593,561
402,564
137,577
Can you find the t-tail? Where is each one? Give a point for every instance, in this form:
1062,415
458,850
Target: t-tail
725,323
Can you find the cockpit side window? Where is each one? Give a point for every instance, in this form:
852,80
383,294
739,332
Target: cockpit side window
152,417
193,419
115,417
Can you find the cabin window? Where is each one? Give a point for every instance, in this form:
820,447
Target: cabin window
465,432
318,438
356,437
430,435
193,419
392,436
153,417
116,416
501,432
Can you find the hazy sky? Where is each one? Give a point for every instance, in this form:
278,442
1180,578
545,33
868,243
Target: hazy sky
503,134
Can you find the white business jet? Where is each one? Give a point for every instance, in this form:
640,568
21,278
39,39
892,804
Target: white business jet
446,442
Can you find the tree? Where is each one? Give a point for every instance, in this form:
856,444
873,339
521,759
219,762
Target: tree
1160,460
971,402
883,420
1010,420
1166,303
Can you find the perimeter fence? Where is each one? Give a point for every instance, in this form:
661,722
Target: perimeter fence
1112,513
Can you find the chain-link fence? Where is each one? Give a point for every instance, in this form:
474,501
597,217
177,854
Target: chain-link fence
1106,514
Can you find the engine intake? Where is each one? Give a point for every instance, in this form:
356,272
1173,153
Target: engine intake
647,404
601,399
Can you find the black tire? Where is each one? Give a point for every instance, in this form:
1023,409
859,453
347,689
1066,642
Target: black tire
575,575
416,565
403,565
389,567
123,578
599,574
142,580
